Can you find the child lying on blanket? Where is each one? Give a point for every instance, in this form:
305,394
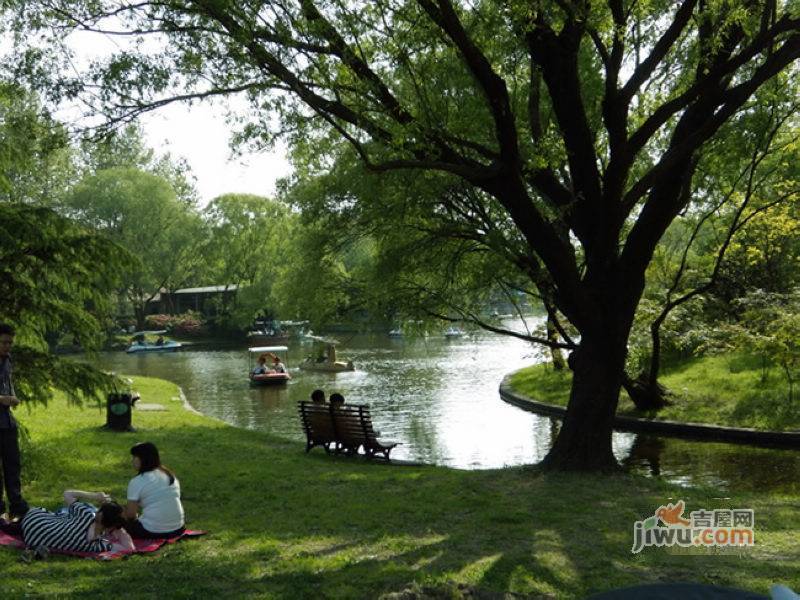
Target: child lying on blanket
79,528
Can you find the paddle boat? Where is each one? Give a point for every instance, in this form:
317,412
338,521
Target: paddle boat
325,359
270,377
161,345
396,333
267,331
296,330
267,336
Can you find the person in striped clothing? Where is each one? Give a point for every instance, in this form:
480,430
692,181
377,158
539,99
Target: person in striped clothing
79,528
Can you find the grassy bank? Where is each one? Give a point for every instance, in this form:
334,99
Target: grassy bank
724,390
289,525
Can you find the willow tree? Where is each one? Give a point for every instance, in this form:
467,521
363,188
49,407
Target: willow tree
582,121
247,244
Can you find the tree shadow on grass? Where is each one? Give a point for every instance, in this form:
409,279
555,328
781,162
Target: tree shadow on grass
286,524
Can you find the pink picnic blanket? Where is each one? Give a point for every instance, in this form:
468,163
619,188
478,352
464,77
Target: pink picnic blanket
141,546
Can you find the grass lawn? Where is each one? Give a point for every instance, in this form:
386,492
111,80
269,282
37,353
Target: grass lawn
724,390
284,524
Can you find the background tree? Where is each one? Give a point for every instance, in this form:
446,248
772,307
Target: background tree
330,279
126,147
406,248
749,177
769,327
141,213
246,247
582,123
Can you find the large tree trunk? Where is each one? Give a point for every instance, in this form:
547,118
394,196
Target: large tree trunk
584,443
645,393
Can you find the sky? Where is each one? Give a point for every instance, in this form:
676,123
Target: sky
200,135
197,133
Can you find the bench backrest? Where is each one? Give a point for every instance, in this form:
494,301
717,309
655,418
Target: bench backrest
350,424
353,424
317,422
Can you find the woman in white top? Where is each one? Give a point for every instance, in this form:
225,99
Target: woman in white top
156,492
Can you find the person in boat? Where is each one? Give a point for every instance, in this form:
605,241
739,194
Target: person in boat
160,341
318,397
261,366
156,493
80,527
277,365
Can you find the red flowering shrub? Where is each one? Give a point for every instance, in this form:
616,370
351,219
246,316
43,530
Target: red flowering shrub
159,321
188,324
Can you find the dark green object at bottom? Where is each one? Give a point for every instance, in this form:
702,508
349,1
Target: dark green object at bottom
118,412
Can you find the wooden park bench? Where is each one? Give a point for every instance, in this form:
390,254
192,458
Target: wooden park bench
344,428
318,425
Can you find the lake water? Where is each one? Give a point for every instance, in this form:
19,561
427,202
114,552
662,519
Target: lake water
439,397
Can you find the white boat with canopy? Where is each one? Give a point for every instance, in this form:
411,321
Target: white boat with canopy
267,374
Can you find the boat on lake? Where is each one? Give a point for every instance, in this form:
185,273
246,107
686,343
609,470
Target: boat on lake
270,376
453,332
324,357
268,336
169,346
273,332
140,343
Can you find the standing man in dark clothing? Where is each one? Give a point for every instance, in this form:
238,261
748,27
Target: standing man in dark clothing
9,443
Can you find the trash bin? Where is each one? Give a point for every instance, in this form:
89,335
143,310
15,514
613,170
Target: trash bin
118,411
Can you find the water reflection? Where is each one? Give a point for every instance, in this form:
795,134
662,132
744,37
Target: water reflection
439,398
733,467
645,452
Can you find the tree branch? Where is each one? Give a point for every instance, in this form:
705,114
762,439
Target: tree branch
356,64
558,58
488,327
728,102
645,69
709,82
492,85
